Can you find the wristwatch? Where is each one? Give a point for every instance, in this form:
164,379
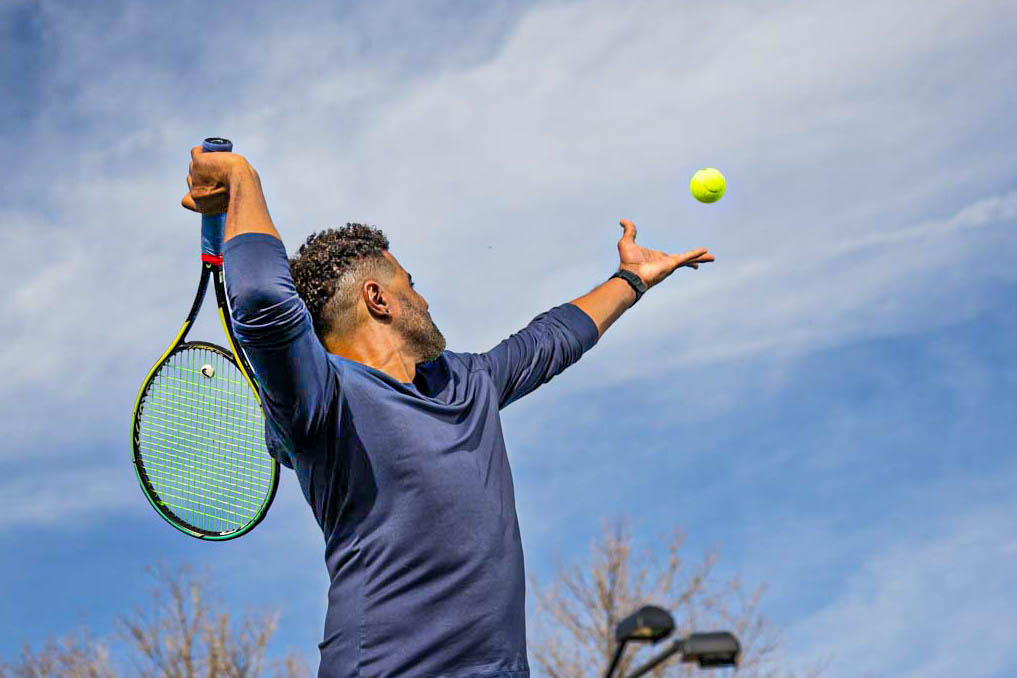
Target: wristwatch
632,279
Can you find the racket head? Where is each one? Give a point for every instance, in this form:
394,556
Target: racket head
199,444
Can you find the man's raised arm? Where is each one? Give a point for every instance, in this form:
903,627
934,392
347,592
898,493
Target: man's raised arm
219,182
269,317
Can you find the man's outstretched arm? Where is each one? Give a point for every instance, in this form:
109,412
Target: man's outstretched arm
556,339
608,301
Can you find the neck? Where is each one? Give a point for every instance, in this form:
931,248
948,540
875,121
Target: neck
379,349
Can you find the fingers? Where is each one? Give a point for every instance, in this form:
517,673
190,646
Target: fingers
692,258
205,201
205,191
188,201
210,203
686,257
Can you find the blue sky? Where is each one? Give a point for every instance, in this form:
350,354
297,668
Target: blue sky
831,403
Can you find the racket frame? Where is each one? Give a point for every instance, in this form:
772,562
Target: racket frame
211,268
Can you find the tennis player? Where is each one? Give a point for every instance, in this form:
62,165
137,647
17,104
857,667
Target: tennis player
397,442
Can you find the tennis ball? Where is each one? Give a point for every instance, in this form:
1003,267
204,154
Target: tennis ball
708,185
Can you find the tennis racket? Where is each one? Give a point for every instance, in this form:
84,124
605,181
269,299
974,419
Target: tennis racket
198,433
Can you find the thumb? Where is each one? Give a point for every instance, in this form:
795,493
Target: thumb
188,202
630,230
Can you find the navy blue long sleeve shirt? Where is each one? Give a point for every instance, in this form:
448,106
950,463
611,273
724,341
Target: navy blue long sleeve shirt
410,482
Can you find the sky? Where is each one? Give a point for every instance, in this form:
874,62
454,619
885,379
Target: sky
830,405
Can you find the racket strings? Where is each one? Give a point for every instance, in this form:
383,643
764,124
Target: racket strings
166,432
201,441
239,428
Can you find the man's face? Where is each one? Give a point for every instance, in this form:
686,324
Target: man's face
413,321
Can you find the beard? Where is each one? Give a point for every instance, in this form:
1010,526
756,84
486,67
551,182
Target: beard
417,328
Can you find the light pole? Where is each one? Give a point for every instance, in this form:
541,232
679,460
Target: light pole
646,625
650,624
710,650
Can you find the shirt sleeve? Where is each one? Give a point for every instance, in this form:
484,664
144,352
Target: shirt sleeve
533,356
298,381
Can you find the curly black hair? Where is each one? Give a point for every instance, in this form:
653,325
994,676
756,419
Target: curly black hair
329,268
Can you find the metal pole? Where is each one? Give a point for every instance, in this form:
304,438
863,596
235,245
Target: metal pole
676,647
614,660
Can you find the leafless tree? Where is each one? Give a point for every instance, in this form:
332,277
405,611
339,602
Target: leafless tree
74,656
578,610
181,632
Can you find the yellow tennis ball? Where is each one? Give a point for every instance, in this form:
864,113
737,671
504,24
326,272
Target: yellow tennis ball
708,185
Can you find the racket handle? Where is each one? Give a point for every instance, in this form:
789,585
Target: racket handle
216,145
213,225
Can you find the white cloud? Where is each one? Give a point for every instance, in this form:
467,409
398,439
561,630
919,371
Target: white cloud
62,497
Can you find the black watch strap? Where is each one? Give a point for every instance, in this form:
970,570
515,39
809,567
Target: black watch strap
632,279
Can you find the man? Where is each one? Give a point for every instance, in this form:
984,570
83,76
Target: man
396,442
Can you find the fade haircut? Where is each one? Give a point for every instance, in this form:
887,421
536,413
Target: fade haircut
329,272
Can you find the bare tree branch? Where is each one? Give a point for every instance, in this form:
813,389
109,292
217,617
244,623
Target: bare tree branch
74,656
181,632
577,611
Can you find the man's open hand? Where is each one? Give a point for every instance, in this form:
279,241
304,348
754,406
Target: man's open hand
208,180
650,265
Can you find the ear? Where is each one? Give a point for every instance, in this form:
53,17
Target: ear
378,300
